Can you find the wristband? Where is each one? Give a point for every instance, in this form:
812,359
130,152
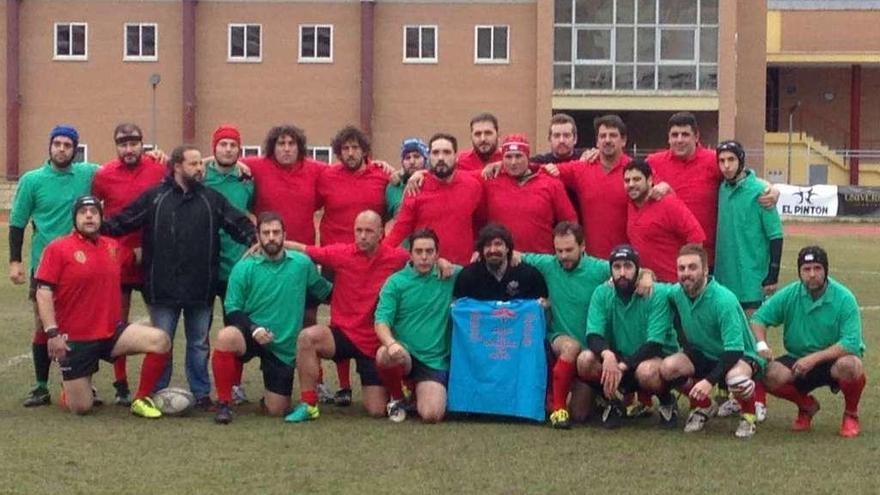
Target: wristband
51,332
762,346
254,333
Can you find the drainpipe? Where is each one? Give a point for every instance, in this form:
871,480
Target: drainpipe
367,38
189,70
13,99
855,113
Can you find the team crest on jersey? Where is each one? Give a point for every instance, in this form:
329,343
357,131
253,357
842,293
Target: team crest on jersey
112,251
80,257
512,288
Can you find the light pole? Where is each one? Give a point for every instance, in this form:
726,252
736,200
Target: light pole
155,79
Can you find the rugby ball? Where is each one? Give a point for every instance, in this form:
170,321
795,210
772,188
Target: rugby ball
174,401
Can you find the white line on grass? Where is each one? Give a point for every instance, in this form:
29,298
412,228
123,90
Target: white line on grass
15,360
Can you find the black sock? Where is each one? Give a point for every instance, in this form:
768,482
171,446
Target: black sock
666,398
41,363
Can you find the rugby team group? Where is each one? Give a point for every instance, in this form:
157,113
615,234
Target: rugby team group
659,275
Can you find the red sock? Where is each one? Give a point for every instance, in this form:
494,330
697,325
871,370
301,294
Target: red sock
563,372
151,371
852,393
343,370
310,397
391,380
119,369
760,392
239,370
223,364
645,398
747,406
320,374
790,393
40,337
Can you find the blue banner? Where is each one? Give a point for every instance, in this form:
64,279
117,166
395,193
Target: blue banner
498,363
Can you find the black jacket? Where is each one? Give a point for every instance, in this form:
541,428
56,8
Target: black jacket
181,241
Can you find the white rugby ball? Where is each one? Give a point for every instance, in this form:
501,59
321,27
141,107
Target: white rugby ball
174,401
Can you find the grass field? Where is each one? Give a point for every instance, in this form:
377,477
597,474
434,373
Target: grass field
48,451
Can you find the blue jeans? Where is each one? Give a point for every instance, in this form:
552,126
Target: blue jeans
196,324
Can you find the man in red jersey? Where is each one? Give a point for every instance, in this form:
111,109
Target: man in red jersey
596,182
528,203
691,171
78,300
450,203
484,136
361,269
657,228
117,184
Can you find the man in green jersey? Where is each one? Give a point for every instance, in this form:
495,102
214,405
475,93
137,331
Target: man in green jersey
718,344
412,324
822,338
413,156
628,335
748,245
43,199
264,307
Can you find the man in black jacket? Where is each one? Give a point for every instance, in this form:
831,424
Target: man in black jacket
181,220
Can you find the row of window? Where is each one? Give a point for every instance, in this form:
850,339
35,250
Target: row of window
322,153
245,43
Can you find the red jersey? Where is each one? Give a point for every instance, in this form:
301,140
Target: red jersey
695,181
344,195
85,276
357,281
602,200
452,209
529,209
292,192
117,185
470,160
658,230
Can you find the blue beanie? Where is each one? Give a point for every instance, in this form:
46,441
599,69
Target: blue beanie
414,144
67,131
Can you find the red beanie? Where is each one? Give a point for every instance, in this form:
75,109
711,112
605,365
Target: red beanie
225,131
515,142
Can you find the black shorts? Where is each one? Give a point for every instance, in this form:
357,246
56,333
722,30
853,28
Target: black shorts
703,365
32,289
277,375
819,376
751,304
420,372
82,359
366,366
129,288
220,293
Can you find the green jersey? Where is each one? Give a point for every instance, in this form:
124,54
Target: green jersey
273,295
745,230
394,198
628,325
714,322
45,196
416,308
570,292
812,326
239,191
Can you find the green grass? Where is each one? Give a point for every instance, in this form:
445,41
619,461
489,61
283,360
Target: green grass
48,451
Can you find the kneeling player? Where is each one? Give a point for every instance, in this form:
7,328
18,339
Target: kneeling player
628,335
719,344
79,303
412,324
264,304
823,341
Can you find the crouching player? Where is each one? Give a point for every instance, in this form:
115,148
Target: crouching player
79,303
627,336
718,344
412,324
822,338
264,306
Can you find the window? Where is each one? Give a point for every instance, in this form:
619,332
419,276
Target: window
140,42
71,41
149,147
82,153
316,43
491,44
420,44
321,153
245,43
633,45
250,151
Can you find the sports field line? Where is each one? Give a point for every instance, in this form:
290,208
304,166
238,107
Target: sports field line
14,360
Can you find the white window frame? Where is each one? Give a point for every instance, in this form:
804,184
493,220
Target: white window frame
313,153
71,24
317,59
140,58
245,59
85,152
251,148
491,59
148,147
422,60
